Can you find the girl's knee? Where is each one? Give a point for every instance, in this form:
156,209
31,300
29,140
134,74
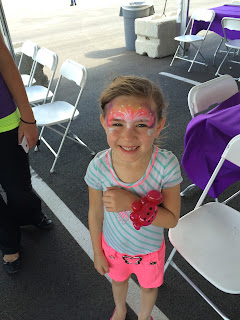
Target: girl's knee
120,283
148,290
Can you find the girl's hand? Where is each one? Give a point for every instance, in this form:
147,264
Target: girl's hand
30,131
116,199
101,263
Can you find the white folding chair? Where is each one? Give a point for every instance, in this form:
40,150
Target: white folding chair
28,49
37,93
208,237
195,40
232,45
207,94
59,112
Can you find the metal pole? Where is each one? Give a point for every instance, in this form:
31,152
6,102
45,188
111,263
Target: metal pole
5,31
182,18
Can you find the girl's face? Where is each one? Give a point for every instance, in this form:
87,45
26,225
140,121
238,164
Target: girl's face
131,126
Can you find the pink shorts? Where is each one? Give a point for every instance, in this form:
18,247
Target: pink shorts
149,268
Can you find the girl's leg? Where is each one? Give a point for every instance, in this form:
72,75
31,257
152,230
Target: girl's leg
119,295
148,299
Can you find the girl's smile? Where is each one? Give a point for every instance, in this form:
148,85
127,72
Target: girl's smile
131,126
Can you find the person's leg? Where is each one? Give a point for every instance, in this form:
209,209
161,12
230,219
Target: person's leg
15,178
148,299
9,240
9,234
120,294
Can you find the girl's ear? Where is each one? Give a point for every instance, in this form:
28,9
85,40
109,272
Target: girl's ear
103,122
160,126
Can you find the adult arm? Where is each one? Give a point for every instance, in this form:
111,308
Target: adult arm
95,220
15,85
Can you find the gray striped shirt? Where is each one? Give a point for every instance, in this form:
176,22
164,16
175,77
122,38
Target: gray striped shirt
163,172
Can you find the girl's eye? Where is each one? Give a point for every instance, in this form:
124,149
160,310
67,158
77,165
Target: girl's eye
142,125
117,124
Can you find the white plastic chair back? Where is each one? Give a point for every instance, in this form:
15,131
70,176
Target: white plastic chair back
232,151
206,94
29,48
232,154
47,58
74,71
203,15
38,94
231,23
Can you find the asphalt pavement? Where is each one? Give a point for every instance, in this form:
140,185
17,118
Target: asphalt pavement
58,279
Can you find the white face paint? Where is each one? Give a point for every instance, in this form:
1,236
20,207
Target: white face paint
150,132
111,130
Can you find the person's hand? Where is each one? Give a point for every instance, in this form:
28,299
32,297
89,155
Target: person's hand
101,263
30,131
117,200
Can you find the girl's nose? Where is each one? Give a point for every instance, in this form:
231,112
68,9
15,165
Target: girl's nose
129,132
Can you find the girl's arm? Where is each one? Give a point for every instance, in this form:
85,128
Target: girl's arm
116,199
13,80
95,220
169,211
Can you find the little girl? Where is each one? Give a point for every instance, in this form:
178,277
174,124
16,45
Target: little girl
132,116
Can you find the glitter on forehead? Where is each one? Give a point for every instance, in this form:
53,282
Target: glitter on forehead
130,113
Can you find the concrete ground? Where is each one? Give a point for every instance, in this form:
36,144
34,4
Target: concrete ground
58,280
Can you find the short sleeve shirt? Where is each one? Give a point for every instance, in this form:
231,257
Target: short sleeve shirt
9,113
163,172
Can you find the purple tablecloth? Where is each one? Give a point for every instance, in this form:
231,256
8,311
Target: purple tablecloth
220,12
205,140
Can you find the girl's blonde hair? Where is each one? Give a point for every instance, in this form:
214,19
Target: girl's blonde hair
133,86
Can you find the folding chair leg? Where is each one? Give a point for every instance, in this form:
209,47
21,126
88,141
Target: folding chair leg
39,138
80,141
218,49
175,54
60,148
198,51
76,138
199,291
218,70
169,259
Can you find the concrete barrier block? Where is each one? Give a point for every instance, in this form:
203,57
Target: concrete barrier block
155,36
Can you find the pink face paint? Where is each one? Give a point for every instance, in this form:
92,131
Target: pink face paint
130,114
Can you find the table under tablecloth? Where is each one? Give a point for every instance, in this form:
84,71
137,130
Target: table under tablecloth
205,140
220,12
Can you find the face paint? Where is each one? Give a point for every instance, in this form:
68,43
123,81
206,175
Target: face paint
130,114
111,130
150,132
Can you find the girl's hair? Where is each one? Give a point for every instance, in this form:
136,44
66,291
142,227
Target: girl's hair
133,86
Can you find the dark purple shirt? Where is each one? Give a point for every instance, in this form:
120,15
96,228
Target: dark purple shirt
7,104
